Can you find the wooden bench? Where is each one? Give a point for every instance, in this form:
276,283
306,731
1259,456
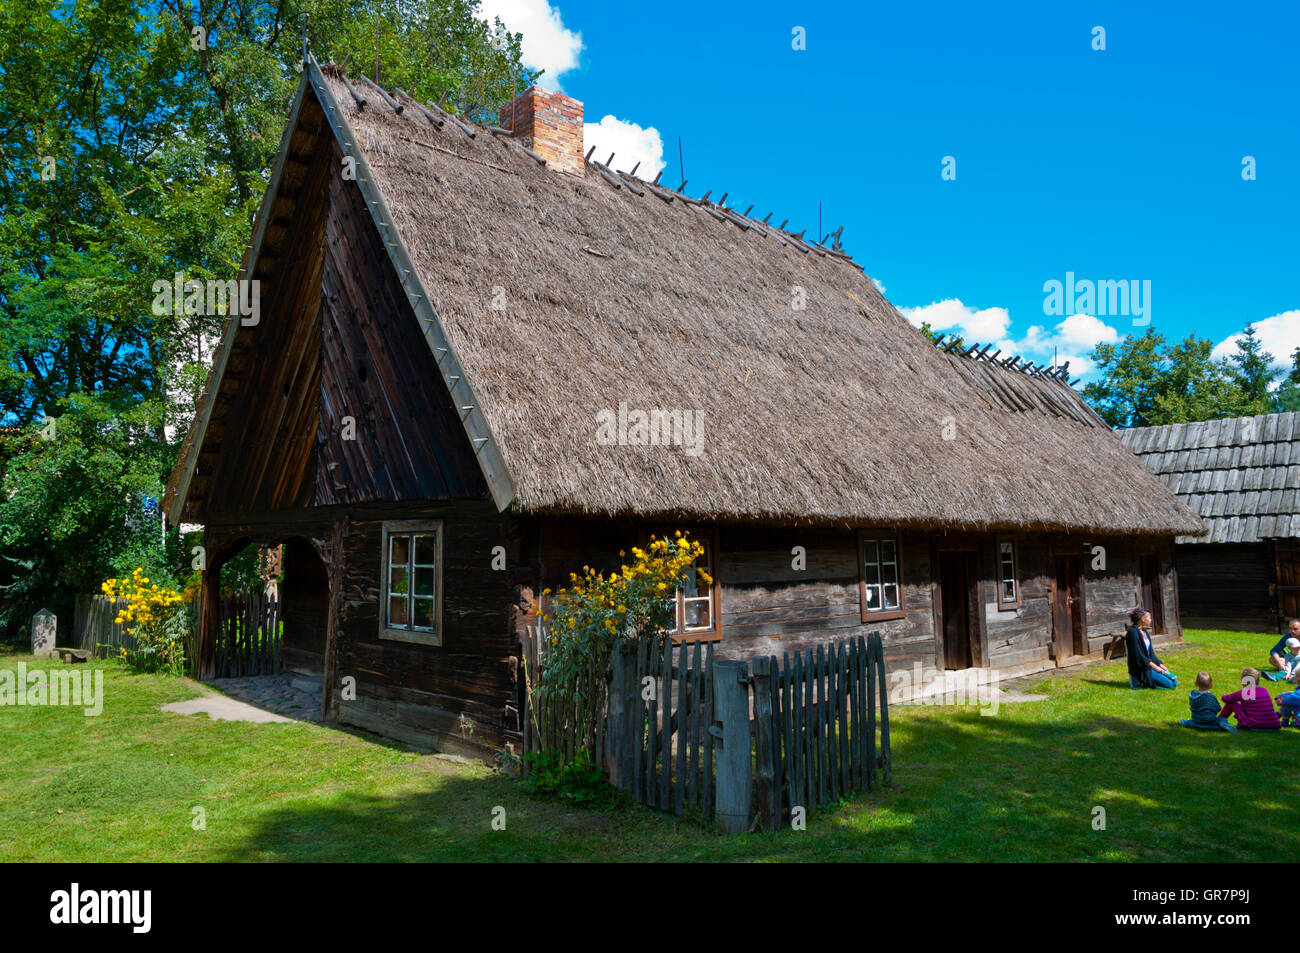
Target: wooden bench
1109,651
73,656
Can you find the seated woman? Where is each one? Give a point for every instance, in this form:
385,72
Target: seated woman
1253,705
1145,670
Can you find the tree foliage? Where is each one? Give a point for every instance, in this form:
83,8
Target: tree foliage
136,138
1146,382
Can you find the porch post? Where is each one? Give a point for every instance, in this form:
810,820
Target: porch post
209,615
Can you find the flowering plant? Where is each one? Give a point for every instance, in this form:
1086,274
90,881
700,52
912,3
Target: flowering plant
149,613
587,619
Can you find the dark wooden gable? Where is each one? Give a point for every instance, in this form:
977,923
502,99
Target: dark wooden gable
338,340
379,371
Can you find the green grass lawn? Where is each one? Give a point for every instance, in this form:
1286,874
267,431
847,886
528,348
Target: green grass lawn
1018,786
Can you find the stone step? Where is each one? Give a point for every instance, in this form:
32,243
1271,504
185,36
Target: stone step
306,683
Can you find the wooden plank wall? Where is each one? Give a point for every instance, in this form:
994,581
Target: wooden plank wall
378,370
304,597
1226,585
459,691
768,607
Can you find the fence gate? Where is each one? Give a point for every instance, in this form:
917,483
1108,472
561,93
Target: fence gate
248,635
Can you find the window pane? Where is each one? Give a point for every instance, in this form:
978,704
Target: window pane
889,573
397,611
891,596
399,550
870,552
872,596
426,550
1008,590
888,551
699,613
424,581
398,580
424,613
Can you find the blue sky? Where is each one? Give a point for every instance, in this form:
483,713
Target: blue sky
1124,163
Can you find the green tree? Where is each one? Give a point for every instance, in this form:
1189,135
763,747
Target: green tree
1194,385
1251,368
1132,380
1287,395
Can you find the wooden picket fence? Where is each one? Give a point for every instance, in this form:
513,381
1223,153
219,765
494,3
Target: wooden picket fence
816,719
249,634
659,746
741,743
94,630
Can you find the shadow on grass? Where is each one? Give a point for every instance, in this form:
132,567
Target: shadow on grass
966,787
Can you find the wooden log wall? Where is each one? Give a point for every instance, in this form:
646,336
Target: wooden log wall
769,607
1226,586
462,692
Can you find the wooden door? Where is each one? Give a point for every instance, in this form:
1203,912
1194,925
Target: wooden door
1067,607
1287,567
955,610
1151,595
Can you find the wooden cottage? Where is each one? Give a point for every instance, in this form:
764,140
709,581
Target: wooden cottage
483,361
1240,476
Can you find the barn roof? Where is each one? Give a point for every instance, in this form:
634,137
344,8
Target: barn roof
551,299
1239,474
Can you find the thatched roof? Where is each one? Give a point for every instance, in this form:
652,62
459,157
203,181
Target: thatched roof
1240,475
620,293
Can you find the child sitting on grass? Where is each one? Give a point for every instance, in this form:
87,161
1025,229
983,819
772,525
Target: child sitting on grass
1289,708
1205,707
1253,705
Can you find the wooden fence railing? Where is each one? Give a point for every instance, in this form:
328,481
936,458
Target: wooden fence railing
94,630
739,742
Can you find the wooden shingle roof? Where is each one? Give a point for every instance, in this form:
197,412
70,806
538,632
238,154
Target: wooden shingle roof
1240,475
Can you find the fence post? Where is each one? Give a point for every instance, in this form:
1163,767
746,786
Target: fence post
735,791
615,737
769,802
886,755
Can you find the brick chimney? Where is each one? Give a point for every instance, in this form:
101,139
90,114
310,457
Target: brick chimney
550,124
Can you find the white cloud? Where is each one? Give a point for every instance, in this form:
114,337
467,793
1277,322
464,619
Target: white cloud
1070,340
985,324
1279,334
547,45
880,286
629,143
1084,332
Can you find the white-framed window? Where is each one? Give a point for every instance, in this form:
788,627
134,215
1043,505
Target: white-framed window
882,589
1008,578
695,600
411,609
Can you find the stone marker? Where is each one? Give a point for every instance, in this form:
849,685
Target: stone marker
44,626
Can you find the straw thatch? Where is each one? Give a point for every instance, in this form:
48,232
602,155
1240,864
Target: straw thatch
617,295
1240,475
